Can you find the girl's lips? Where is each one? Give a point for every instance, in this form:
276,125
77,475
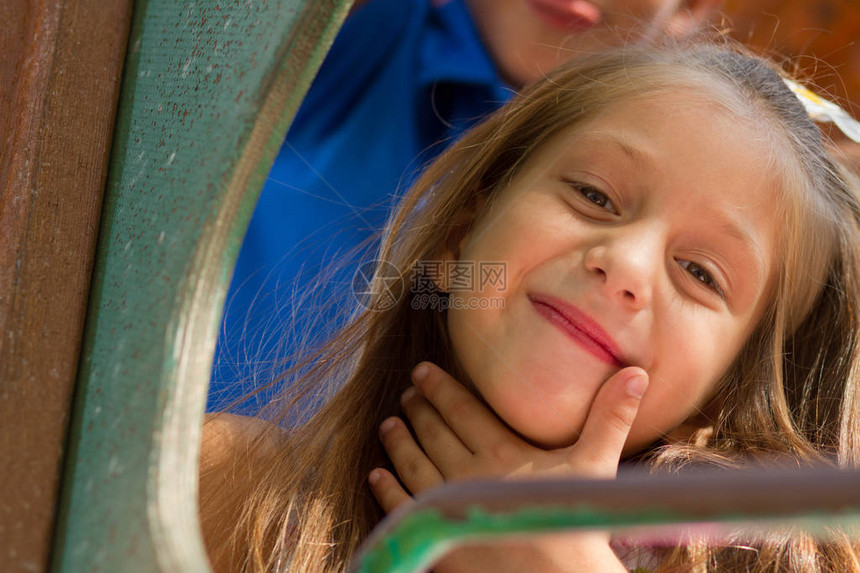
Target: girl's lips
567,15
578,326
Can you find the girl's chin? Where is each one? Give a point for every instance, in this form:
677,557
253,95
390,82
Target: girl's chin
541,408
551,442
541,426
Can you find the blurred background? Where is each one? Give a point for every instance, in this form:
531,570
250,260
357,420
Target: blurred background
820,36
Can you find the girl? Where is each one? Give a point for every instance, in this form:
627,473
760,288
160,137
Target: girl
678,257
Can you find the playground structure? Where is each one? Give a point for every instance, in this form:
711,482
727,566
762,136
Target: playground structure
135,141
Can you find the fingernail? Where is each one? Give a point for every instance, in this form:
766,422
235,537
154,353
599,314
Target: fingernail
408,394
388,424
420,372
637,385
374,476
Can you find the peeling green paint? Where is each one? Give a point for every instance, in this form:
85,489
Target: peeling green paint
421,538
424,536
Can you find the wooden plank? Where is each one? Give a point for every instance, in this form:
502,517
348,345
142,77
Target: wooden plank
208,94
60,69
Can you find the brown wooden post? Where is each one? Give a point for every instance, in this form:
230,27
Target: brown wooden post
60,71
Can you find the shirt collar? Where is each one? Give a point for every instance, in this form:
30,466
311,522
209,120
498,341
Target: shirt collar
452,51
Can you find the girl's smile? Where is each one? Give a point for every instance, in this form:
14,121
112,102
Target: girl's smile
579,327
645,237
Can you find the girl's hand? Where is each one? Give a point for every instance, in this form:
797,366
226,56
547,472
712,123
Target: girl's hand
460,438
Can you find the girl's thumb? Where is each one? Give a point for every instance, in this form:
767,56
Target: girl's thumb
609,420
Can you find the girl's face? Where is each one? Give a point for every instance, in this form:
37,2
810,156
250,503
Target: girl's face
644,237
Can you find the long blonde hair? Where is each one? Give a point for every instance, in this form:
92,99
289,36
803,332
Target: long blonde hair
791,391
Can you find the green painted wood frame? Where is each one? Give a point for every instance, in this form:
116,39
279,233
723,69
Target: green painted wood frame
209,89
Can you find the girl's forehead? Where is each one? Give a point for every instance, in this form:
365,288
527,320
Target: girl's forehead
643,128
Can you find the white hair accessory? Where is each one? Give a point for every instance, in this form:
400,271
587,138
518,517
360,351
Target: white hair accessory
825,111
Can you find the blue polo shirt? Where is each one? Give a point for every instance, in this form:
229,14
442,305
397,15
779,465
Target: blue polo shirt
403,79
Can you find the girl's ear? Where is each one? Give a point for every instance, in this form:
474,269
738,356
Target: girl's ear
459,232
690,16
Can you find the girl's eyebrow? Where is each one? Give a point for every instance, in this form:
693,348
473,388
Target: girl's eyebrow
746,243
636,153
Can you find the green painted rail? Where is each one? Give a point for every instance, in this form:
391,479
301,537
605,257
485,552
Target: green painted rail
709,503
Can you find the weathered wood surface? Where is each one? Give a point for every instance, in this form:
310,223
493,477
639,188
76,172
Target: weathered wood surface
208,92
60,69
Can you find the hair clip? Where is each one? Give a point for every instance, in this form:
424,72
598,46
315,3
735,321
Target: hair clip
822,110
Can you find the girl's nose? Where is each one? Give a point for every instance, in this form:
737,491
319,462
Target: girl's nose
626,270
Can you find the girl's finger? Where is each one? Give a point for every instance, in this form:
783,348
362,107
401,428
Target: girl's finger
386,489
414,468
473,423
598,449
437,439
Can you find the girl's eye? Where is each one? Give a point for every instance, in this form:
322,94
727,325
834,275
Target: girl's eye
597,197
702,275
